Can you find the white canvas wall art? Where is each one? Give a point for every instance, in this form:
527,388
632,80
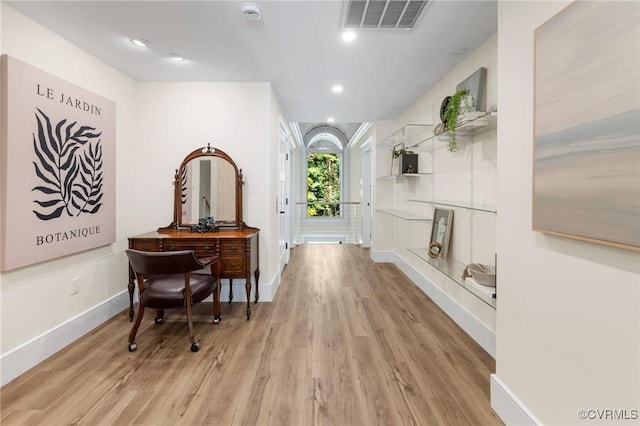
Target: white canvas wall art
57,167
586,182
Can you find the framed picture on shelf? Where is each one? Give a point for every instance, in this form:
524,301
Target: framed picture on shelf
440,232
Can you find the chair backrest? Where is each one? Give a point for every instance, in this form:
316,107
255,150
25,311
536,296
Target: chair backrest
161,263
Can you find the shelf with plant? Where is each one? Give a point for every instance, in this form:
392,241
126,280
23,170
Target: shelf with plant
460,119
404,161
396,153
451,114
470,124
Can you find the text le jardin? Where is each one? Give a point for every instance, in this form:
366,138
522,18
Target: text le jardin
68,100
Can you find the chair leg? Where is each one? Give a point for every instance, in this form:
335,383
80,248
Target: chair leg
159,316
216,303
134,329
215,270
194,345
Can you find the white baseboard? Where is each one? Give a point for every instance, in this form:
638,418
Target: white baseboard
33,352
475,328
510,409
327,238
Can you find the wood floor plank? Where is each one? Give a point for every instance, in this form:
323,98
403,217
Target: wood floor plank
345,342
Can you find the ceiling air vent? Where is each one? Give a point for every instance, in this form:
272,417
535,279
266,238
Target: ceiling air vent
382,14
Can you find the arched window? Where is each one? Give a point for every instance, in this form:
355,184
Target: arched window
324,175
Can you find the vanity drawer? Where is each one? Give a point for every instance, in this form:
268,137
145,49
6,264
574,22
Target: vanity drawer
228,246
202,248
145,245
230,265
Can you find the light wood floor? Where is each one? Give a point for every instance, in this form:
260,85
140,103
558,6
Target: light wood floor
345,342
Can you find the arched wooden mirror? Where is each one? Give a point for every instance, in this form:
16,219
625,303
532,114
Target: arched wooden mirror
208,184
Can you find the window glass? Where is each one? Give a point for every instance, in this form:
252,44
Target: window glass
323,185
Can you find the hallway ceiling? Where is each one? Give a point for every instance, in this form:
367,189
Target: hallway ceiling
296,45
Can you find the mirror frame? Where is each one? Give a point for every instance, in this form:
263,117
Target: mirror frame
207,151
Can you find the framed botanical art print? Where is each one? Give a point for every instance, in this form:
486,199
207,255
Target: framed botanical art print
57,167
440,232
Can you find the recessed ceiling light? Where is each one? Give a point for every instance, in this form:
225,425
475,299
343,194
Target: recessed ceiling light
140,42
331,120
176,57
251,12
337,89
348,36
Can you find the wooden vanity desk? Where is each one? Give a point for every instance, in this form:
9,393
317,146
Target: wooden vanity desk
208,185
238,251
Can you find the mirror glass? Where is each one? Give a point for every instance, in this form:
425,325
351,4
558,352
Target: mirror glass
208,189
207,185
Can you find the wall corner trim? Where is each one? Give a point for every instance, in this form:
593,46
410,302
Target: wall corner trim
510,409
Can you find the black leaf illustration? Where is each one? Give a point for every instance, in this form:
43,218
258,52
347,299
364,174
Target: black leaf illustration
49,203
46,190
89,190
183,185
56,213
42,176
69,167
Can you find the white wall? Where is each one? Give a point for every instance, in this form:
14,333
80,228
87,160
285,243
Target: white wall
568,317
382,195
157,125
272,210
353,168
177,118
36,299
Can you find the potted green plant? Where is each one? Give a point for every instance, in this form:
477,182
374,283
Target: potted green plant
408,160
451,114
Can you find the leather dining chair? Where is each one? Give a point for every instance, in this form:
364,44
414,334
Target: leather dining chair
168,280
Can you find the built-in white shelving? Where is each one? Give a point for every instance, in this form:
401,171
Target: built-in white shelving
413,197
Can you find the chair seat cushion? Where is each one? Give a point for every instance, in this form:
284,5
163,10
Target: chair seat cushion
167,291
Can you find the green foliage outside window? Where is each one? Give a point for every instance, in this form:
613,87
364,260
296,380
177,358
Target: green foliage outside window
323,185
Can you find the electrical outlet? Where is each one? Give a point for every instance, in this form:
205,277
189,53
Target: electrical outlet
75,286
